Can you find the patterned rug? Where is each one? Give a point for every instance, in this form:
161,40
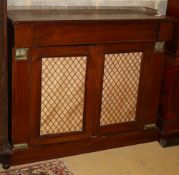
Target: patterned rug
54,167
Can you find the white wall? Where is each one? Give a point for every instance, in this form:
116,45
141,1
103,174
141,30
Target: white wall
161,6
158,4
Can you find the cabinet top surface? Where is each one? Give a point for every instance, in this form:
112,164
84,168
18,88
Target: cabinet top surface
115,14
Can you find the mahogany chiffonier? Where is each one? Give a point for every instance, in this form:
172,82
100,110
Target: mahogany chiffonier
85,80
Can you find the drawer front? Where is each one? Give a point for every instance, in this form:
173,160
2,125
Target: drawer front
91,33
53,34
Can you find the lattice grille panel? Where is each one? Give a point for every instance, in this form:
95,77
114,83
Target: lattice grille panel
120,88
62,94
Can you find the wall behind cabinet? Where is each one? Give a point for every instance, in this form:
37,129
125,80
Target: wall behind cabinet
161,5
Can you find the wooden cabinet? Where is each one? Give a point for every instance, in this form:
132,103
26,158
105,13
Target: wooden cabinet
84,85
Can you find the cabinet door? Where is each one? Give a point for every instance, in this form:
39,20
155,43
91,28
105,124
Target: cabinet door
59,94
129,88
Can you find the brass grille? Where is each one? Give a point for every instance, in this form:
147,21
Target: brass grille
62,94
120,88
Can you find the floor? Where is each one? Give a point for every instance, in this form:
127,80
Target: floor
142,159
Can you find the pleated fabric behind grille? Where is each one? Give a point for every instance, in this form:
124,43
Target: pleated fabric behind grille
62,94
120,88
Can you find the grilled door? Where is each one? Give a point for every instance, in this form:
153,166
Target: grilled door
59,94
129,87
